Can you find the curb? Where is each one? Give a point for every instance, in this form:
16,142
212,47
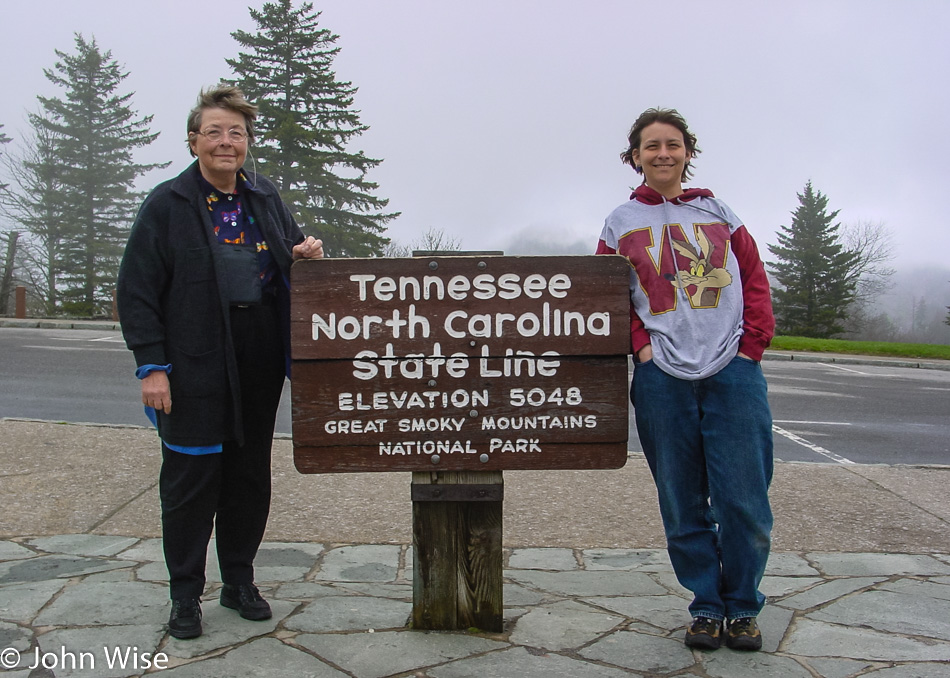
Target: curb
840,359
49,324
833,358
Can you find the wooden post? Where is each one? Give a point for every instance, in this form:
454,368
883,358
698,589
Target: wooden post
457,540
6,278
20,301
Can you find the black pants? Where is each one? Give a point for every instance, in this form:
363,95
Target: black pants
228,492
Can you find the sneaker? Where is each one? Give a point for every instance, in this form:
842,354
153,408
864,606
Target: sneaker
185,619
247,600
743,634
704,633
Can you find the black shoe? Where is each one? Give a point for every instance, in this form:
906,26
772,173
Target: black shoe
704,633
247,600
743,634
185,619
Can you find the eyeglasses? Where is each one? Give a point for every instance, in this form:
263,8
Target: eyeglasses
214,135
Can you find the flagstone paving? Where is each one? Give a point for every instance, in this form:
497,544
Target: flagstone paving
90,605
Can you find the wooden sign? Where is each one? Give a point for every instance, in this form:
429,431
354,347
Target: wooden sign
460,363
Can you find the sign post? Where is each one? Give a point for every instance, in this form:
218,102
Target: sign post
456,369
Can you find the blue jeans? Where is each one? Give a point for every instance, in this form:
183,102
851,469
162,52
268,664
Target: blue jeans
709,446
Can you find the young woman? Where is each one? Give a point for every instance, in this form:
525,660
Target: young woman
701,317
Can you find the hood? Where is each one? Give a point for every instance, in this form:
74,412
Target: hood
648,196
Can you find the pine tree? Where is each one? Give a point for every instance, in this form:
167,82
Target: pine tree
92,131
814,286
305,124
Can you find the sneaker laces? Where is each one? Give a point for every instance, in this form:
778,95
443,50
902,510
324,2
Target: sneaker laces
704,625
187,607
743,625
248,593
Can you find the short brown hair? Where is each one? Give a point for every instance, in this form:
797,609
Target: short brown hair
223,96
670,116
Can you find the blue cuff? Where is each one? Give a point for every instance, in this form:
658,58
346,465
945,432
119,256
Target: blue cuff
146,370
183,449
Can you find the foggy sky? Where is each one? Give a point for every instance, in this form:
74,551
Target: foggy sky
502,121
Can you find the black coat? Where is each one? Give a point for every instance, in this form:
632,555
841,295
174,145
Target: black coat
173,306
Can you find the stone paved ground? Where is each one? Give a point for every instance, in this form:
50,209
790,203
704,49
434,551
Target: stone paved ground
341,610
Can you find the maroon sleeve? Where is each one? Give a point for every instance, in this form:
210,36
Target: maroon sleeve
758,322
639,337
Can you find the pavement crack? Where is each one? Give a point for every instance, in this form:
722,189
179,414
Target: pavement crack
111,514
856,470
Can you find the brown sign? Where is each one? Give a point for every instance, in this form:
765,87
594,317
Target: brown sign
460,363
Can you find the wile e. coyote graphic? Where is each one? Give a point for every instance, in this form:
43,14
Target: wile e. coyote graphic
703,276
677,265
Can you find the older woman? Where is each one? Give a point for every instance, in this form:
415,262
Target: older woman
203,298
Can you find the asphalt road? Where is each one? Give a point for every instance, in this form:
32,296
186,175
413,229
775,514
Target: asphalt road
867,414
829,413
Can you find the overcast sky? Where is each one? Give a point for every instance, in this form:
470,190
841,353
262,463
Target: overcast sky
502,121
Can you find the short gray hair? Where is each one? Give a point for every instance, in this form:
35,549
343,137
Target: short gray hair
223,96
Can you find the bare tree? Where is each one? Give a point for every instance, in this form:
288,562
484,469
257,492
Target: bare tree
394,250
432,240
873,244
31,203
4,139
10,240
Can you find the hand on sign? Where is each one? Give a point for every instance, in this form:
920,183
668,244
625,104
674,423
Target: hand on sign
311,248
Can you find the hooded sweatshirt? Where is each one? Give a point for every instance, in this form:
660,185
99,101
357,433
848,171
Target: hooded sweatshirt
698,289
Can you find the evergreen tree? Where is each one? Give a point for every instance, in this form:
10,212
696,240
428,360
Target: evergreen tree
304,126
92,131
814,286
